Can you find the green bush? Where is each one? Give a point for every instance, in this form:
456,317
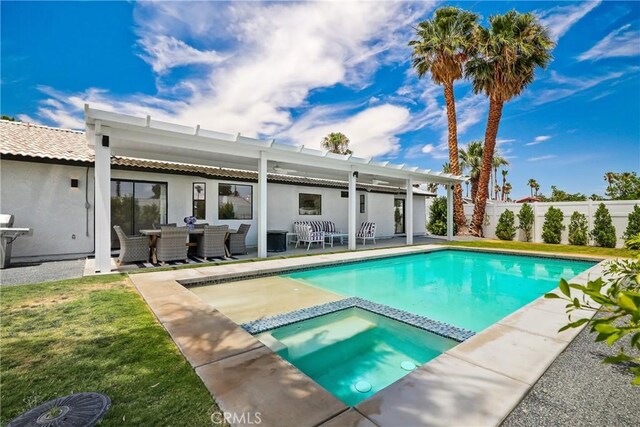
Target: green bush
578,229
525,221
633,242
506,228
633,226
226,211
438,217
553,226
603,233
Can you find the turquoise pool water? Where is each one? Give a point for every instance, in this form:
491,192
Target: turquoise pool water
470,290
354,353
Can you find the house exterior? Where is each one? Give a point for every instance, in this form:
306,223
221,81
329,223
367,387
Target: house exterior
47,182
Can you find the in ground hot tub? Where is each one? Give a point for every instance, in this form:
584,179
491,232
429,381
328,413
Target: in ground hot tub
354,353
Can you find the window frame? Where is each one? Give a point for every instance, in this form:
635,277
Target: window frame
300,207
362,204
203,200
235,185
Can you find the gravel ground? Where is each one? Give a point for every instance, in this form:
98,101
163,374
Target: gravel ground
22,274
579,390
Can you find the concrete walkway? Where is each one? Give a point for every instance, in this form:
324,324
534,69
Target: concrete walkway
23,274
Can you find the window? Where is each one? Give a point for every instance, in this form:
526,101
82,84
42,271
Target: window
344,194
310,204
199,199
235,201
136,205
362,203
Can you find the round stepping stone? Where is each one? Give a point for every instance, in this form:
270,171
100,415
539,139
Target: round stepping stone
408,365
80,409
363,386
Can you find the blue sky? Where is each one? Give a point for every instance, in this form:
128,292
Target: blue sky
296,71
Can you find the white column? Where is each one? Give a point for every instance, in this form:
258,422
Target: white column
102,182
352,210
449,212
408,217
262,205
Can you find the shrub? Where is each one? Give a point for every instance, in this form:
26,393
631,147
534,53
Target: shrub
506,228
633,226
438,217
603,233
633,242
553,226
525,221
226,211
578,229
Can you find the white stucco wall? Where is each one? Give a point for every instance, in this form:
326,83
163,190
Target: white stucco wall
40,196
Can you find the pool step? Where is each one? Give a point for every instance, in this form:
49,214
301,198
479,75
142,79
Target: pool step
308,341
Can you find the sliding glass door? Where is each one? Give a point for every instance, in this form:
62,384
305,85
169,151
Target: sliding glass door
136,205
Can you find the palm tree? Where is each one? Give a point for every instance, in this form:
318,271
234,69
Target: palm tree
532,183
498,161
446,168
610,177
536,188
508,54
504,181
442,47
471,161
496,191
336,142
506,191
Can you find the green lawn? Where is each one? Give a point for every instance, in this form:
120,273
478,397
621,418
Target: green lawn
95,334
544,247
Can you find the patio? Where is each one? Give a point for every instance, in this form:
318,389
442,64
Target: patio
291,251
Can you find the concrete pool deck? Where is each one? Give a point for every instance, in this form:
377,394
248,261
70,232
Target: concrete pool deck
477,382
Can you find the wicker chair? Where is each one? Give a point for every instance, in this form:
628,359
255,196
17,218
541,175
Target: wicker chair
211,242
307,235
172,244
132,249
237,240
367,231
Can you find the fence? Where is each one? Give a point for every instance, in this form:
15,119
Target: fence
619,210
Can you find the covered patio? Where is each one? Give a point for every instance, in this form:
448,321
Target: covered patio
112,134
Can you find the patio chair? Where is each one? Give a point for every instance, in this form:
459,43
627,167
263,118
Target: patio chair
237,240
367,231
158,226
307,235
201,225
132,249
172,244
211,242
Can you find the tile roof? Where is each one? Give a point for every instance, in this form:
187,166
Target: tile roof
29,140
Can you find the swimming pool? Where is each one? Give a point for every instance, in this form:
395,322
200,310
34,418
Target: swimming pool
471,290
354,353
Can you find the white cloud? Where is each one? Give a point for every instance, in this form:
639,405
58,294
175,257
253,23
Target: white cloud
539,158
259,61
427,148
165,52
568,86
624,41
371,131
539,140
560,19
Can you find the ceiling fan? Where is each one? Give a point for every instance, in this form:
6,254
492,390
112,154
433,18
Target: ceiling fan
282,171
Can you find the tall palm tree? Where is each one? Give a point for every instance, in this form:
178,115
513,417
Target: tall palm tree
498,161
532,183
442,47
496,191
446,167
536,188
471,161
336,142
508,54
504,181
506,191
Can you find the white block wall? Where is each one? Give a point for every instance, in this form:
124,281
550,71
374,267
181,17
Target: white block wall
618,209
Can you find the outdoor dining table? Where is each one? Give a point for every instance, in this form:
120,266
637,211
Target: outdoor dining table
154,233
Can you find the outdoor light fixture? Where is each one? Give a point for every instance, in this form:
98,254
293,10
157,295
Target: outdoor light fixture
355,174
75,183
105,140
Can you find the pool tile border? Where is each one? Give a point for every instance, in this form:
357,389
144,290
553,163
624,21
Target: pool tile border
439,328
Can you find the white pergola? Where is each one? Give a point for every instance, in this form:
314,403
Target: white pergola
113,134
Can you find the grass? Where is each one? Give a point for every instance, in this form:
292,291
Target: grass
548,248
95,334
